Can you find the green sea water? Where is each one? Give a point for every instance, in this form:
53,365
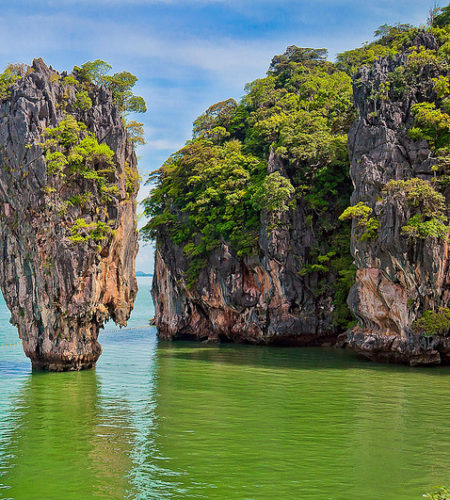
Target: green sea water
185,420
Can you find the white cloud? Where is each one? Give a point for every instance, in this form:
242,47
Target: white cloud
164,144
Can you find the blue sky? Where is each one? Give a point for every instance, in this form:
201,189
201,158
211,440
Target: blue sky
188,54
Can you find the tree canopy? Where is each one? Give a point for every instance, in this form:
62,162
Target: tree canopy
120,84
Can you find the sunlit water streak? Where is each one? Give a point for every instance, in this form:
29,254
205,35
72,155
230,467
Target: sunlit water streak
185,420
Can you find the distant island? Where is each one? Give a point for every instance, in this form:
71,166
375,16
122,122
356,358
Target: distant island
140,274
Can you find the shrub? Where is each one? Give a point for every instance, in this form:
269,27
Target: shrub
366,226
427,205
83,101
431,124
433,323
83,231
7,79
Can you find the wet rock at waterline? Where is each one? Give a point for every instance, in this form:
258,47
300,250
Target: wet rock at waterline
68,183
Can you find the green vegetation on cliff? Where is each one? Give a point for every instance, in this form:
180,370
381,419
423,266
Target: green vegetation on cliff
433,323
442,493
283,148
74,156
218,188
422,77
427,206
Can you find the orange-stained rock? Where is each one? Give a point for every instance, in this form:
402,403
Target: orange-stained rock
59,292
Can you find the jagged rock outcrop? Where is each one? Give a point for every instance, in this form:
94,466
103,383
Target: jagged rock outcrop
262,299
398,278
68,241
287,292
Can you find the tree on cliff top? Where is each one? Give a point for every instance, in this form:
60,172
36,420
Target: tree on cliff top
121,85
217,115
297,55
442,19
10,75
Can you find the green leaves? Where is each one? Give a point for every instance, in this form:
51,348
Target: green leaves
120,84
210,187
83,101
366,226
83,231
71,152
274,194
217,115
431,124
286,64
70,149
433,323
428,208
93,71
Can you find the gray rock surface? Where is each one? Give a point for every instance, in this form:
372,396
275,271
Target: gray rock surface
397,279
61,292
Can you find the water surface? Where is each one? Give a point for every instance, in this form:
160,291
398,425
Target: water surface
185,420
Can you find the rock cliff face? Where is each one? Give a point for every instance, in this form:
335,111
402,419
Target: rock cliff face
397,278
262,299
68,239
284,294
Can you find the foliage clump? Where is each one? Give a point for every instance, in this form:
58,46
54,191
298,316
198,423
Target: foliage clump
427,206
366,226
442,493
433,323
72,155
71,151
389,41
121,85
83,231
212,191
9,77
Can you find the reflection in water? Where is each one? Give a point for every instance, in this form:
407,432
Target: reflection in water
249,422
64,444
184,420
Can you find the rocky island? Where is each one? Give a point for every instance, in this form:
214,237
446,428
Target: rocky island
399,165
68,185
258,236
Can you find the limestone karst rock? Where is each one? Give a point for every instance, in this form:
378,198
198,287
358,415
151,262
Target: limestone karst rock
261,299
285,292
398,278
68,227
